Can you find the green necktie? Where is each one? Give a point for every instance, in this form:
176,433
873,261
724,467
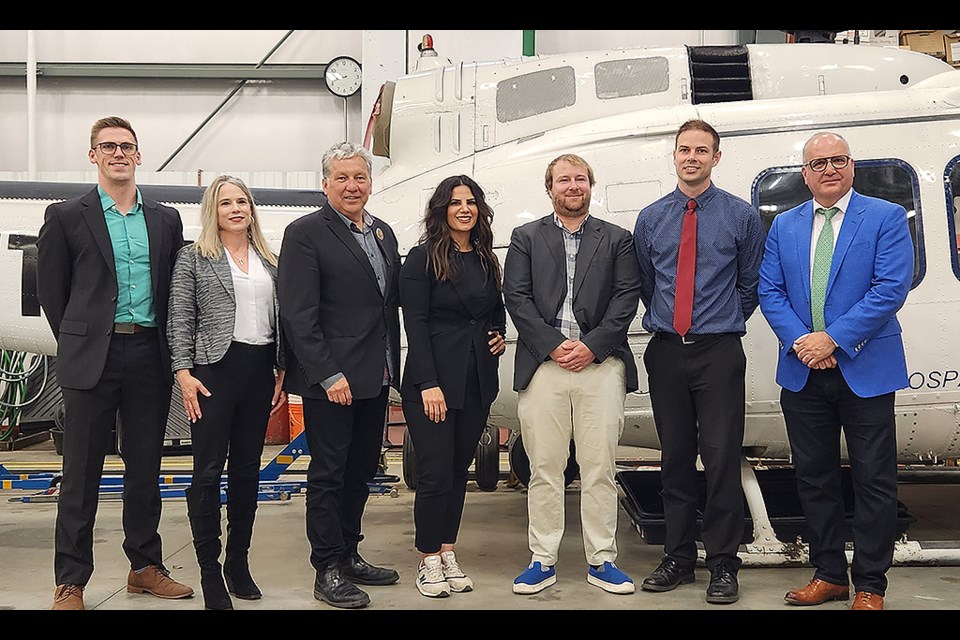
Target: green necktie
822,258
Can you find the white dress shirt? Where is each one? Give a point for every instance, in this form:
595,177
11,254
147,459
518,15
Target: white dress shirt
254,320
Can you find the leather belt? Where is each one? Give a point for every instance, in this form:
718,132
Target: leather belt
690,338
128,328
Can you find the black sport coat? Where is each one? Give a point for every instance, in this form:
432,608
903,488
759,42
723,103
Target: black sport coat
440,329
335,319
77,281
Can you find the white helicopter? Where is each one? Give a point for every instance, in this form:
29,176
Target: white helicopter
502,122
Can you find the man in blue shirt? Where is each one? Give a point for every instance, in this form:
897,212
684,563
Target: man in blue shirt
104,264
699,250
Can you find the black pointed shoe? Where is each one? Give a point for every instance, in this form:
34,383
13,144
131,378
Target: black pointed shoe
336,590
358,570
723,587
668,576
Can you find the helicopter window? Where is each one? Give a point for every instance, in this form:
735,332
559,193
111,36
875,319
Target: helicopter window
635,77
536,93
952,185
779,189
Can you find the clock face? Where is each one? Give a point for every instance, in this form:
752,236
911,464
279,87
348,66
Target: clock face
343,76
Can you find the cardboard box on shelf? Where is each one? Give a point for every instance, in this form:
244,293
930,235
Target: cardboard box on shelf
929,42
951,48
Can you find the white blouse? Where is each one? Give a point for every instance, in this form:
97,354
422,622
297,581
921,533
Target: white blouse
254,321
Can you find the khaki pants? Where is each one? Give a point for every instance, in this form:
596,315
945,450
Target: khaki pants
586,406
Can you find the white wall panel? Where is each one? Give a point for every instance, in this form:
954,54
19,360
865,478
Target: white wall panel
275,126
587,40
181,46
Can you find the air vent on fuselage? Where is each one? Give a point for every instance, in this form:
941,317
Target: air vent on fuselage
719,74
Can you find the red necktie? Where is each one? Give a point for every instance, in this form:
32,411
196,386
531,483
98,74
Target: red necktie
686,267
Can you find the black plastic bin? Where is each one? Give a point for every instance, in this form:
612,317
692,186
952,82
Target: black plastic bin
643,503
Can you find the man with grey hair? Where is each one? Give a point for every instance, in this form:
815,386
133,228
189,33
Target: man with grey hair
338,287
835,271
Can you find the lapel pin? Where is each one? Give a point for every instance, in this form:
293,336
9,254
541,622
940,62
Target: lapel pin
379,234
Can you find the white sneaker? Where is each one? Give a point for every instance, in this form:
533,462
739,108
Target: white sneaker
430,580
456,578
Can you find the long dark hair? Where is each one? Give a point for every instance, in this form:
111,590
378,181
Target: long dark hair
436,233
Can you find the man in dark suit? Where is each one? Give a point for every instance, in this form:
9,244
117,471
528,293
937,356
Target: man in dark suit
339,305
836,269
572,286
104,265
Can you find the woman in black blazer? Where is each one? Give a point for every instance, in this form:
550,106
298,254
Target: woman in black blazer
224,333
454,318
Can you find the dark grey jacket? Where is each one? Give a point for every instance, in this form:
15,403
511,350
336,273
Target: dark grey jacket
203,309
606,293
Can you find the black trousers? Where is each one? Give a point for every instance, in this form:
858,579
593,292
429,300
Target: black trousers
136,386
698,392
815,416
444,451
235,418
345,443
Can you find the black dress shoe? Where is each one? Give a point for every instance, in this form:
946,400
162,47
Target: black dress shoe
358,570
333,588
723,587
668,576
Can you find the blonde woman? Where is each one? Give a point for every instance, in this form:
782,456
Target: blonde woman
226,353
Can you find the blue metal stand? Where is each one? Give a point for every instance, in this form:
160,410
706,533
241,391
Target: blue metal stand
297,448
174,486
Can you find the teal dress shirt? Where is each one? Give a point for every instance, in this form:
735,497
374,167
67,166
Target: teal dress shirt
131,255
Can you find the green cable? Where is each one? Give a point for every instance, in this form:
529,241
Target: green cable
14,392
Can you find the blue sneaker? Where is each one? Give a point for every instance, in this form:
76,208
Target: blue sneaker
535,579
609,578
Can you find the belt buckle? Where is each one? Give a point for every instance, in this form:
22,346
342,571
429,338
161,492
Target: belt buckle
125,328
685,340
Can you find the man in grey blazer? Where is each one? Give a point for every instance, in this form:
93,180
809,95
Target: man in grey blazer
338,284
104,263
572,286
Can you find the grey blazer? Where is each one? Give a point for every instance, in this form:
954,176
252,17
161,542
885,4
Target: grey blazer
203,310
606,293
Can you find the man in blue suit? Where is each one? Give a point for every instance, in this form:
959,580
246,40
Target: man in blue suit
835,271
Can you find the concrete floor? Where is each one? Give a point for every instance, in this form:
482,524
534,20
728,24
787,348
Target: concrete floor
492,549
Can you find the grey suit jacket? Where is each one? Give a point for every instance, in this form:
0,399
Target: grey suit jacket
606,293
203,309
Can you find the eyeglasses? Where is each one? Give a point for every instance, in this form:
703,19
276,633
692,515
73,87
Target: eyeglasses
110,148
820,164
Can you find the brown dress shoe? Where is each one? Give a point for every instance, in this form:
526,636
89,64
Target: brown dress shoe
156,581
817,592
866,601
68,597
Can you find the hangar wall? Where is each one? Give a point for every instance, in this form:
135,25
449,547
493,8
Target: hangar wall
271,131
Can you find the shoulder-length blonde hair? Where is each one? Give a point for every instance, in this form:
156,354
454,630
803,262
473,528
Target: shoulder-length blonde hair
208,243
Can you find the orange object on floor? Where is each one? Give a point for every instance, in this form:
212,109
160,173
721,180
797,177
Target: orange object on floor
295,409
278,428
